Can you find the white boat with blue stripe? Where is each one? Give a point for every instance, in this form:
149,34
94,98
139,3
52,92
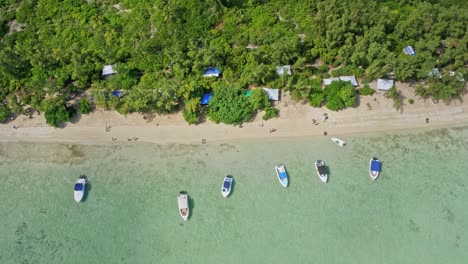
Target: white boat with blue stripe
282,174
79,189
227,185
375,167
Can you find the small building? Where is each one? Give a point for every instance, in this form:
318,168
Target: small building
328,81
108,70
384,84
409,50
285,69
350,79
212,72
273,94
205,99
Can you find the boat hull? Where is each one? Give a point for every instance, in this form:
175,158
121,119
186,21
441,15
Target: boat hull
374,174
322,176
79,194
184,210
284,181
338,142
226,190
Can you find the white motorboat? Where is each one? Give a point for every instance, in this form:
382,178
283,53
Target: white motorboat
227,185
182,200
321,170
282,174
339,142
374,168
79,189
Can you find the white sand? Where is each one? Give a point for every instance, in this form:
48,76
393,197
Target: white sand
295,120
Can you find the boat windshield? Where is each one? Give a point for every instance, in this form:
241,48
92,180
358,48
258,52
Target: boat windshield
78,187
322,169
227,184
283,175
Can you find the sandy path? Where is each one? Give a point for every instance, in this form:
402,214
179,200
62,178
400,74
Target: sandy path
295,120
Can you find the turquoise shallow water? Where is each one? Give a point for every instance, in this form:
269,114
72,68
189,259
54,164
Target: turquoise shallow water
416,212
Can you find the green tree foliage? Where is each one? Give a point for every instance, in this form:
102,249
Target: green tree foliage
55,111
317,96
84,106
192,110
395,95
259,99
339,95
4,113
445,88
366,90
229,105
161,47
270,112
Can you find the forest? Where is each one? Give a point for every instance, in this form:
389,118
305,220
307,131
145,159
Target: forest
52,53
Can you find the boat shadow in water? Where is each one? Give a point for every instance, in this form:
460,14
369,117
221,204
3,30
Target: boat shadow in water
191,205
88,188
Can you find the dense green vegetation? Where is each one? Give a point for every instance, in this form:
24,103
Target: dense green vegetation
52,49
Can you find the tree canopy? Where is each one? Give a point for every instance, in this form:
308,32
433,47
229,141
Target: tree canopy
160,48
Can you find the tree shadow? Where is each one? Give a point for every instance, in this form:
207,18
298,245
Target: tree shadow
75,118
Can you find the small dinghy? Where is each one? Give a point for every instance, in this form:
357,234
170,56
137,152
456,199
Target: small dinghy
321,170
282,175
182,200
227,184
79,189
339,142
374,168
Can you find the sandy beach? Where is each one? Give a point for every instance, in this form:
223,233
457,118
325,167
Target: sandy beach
295,120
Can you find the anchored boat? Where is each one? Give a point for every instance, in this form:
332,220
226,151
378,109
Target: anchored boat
321,170
339,142
374,168
182,200
227,185
282,174
79,189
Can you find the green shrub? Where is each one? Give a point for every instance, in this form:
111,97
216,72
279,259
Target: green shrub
366,90
270,112
192,110
4,112
55,111
410,101
84,106
259,99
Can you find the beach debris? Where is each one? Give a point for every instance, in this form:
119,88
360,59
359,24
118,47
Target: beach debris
135,138
108,128
129,139
203,141
325,133
272,130
114,139
427,120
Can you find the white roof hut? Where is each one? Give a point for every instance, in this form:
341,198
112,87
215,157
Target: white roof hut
108,70
273,94
285,69
384,84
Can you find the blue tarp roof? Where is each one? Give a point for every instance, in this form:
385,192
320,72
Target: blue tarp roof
375,165
116,93
78,187
205,99
410,50
212,72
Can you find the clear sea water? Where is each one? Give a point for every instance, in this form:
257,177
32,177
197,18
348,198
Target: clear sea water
416,212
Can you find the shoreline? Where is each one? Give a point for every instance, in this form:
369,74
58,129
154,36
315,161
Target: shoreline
295,120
